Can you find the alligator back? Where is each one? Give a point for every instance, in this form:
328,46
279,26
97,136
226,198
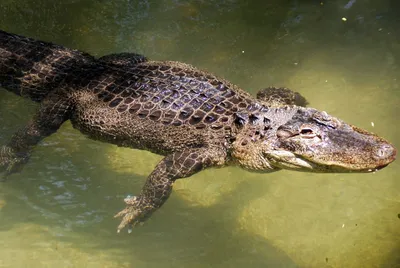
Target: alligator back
123,98
32,68
161,106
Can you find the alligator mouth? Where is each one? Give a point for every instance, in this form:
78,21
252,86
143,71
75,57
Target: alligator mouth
377,168
288,160
302,163
335,168
372,160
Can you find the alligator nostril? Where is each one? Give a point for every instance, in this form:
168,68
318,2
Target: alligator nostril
385,151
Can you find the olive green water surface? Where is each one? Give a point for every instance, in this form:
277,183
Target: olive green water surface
343,56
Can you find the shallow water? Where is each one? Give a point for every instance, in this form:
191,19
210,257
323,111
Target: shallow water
58,210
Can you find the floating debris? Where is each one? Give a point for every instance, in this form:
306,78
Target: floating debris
349,4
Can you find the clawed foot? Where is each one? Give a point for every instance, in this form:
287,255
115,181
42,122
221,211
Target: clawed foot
11,161
135,213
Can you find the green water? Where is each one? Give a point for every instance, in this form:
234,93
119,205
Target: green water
58,211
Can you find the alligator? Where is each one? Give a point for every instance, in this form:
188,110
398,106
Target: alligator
193,118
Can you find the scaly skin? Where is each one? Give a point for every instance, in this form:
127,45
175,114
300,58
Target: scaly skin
193,118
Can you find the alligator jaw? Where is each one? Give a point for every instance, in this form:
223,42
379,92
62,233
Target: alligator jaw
288,160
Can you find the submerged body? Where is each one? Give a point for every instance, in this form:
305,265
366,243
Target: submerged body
193,118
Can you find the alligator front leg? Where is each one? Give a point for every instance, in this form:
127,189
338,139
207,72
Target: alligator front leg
158,185
53,111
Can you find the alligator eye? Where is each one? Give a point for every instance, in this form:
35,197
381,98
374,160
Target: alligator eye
307,133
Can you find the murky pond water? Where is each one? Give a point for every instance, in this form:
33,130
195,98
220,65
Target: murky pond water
344,56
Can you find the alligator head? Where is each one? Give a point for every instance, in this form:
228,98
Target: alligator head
315,141
305,139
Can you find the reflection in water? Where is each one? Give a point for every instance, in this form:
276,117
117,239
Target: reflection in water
58,210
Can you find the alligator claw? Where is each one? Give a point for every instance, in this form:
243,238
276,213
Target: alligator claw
129,217
130,229
133,214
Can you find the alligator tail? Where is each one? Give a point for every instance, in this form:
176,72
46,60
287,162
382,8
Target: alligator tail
32,68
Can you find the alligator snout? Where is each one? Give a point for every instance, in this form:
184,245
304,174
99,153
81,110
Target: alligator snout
385,153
